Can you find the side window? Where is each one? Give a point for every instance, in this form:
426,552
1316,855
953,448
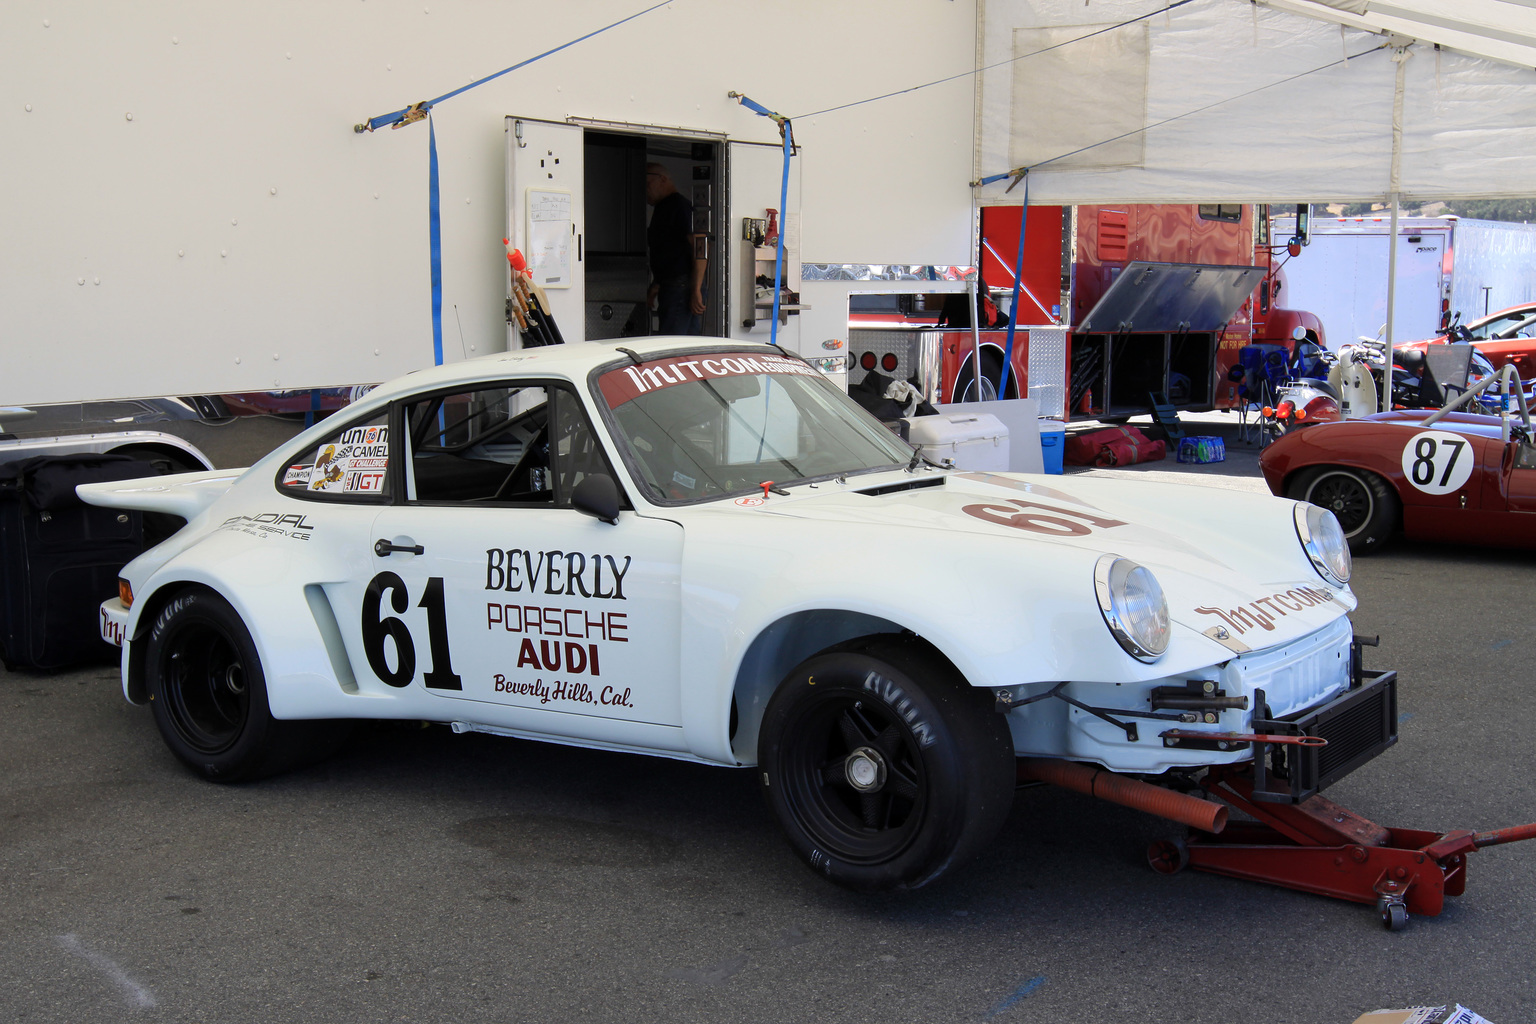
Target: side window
575,450
350,465
501,445
481,445
1229,212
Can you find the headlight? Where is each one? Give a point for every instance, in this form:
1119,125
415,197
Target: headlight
1323,540
1133,605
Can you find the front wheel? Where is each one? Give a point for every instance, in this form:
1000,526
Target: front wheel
1365,504
883,767
209,695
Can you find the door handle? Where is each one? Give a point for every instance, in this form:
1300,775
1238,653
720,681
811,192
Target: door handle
384,548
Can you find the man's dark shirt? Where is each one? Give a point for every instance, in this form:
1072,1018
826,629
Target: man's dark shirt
668,237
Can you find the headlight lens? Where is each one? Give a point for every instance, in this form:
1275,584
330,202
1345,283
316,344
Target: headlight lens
1134,607
1323,540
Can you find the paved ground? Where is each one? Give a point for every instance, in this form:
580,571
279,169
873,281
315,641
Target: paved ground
422,876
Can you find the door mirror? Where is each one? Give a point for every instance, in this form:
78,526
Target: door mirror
1303,235
597,496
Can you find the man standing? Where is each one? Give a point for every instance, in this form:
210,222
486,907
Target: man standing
677,254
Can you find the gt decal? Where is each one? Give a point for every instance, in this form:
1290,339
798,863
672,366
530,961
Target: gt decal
378,627
1437,461
1053,520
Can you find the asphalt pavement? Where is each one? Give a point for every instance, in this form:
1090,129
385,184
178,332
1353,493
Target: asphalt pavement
422,876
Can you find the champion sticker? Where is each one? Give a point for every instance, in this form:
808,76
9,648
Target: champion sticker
1438,461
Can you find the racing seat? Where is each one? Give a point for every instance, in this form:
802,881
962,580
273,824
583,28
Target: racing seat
1448,366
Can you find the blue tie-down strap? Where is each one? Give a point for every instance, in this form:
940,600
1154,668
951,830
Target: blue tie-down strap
435,244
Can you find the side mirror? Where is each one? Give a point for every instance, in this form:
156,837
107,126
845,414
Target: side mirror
597,496
1303,224
1298,333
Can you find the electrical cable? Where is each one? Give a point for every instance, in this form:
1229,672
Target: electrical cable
1002,63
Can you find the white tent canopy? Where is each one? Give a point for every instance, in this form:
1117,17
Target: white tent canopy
1268,101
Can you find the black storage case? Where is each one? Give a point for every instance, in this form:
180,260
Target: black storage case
59,557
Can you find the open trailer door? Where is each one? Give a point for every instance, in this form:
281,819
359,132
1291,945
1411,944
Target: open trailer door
545,203
755,172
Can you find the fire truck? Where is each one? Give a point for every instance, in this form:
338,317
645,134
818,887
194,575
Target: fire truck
1118,304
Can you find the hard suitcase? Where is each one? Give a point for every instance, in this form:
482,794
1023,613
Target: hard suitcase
59,557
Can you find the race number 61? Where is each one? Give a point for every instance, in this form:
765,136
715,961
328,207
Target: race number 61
1437,461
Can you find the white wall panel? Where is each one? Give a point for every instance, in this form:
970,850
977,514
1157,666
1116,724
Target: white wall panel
211,282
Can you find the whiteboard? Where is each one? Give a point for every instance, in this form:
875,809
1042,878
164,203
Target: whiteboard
549,233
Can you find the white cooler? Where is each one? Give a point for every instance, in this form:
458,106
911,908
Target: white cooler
971,440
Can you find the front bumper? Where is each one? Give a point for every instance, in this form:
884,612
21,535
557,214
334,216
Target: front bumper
1358,724
113,621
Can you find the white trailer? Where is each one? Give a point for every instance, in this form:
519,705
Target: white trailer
187,209
1445,265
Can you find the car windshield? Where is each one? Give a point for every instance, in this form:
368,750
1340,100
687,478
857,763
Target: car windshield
698,426
1514,324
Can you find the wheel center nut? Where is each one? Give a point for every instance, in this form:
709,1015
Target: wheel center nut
234,679
866,769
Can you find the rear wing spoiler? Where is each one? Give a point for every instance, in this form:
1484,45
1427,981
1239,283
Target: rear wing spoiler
181,494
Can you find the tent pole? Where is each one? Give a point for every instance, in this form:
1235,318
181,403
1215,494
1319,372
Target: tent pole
1386,372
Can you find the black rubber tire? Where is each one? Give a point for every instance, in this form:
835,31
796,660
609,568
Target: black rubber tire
964,389
946,766
1367,507
209,695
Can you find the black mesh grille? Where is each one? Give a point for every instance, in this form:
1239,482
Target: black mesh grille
1357,726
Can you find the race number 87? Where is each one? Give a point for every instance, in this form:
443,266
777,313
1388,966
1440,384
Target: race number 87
1437,462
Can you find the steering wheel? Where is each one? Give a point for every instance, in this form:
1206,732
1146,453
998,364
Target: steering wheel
538,440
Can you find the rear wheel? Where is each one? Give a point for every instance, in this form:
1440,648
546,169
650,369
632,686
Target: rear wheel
884,768
1366,506
965,389
209,695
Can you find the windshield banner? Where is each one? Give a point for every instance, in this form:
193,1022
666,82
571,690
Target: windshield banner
628,382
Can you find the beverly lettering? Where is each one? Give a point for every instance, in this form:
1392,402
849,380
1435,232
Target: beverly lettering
567,573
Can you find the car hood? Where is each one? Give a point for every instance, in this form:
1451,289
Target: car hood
1215,552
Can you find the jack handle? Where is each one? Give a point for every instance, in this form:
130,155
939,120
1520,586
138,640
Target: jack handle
1465,841
1244,737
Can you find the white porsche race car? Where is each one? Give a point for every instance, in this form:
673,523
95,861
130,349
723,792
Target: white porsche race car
705,550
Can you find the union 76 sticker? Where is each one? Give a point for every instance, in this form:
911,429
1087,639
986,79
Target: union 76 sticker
1438,461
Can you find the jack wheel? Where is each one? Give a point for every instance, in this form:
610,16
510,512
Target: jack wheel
1394,916
1168,856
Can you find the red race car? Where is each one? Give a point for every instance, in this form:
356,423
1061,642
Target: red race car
1506,338
1436,474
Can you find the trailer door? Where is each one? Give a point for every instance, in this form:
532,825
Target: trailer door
755,173
545,216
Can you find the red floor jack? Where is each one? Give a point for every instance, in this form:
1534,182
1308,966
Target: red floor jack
1298,838
1318,846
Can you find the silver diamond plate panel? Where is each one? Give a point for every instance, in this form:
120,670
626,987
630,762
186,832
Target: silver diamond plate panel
1048,370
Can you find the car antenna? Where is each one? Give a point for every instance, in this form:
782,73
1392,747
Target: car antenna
633,355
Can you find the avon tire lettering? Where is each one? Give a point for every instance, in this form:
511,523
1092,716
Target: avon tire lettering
897,698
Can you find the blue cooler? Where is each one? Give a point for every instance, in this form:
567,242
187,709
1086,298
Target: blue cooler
1053,444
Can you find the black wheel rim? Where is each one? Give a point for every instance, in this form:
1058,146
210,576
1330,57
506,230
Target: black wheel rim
206,687
1346,497
854,779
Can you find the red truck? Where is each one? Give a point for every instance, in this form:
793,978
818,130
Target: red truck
1117,303
1158,298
